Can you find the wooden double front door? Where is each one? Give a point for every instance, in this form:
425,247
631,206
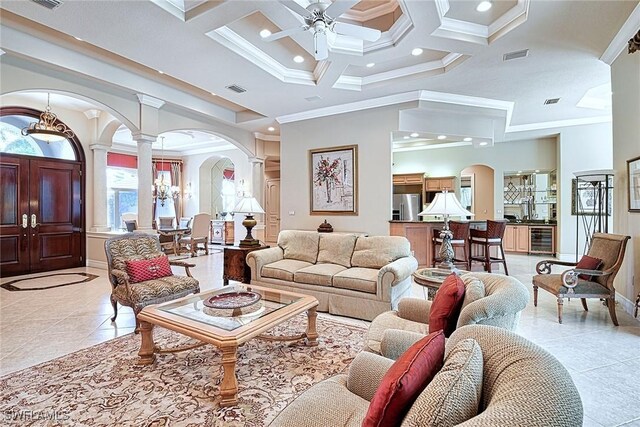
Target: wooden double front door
41,218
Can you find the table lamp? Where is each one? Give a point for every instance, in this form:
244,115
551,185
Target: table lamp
446,204
249,205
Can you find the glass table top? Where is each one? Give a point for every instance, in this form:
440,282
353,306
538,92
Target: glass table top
193,308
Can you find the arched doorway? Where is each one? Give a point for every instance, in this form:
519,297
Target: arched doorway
480,182
42,219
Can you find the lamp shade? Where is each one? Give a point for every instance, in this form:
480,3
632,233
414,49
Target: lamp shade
445,204
248,205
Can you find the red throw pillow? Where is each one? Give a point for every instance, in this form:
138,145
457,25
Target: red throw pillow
404,381
446,305
588,263
141,270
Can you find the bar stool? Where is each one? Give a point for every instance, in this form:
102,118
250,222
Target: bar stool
491,237
460,239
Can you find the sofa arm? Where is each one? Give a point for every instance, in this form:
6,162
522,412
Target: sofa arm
398,270
366,372
395,342
414,309
257,259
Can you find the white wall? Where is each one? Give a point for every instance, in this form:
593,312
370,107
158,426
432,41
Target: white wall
371,130
502,157
625,80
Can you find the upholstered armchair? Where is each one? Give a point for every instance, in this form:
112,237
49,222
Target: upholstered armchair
490,299
585,283
131,247
200,226
513,389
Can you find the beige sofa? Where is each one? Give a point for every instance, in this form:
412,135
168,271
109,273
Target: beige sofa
507,381
350,275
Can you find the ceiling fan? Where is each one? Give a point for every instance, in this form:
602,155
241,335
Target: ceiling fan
320,17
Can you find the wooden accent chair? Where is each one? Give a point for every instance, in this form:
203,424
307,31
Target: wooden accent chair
132,246
167,242
199,234
460,239
486,239
610,249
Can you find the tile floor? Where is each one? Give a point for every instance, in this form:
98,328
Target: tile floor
604,361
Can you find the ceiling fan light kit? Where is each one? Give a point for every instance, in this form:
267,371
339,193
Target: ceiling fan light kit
320,18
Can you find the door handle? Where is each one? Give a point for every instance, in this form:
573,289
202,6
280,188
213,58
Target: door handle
34,222
24,220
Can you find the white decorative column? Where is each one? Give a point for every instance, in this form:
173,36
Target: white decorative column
99,187
257,179
145,181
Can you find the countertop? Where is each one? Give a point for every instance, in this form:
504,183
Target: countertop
533,222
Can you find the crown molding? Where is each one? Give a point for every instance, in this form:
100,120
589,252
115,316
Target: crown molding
236,43
150,101
374,12
558,124
92,113
171,8
264,137
619,42
397,31
432,146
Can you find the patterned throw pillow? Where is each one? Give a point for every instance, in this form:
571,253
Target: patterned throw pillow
446,305
588,263
404,381
148,269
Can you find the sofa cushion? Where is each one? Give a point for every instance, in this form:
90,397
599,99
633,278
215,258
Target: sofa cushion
283,269
474,290
300,245
357,279
378,251
319,274
446,305
336,248
404,381
453,396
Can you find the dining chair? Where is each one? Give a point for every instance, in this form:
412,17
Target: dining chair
199,234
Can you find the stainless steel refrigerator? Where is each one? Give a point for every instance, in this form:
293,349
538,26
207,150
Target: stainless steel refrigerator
406,207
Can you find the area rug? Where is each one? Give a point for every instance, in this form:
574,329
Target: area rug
103,386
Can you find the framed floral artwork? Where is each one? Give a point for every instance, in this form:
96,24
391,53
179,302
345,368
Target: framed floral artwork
334,180
633,178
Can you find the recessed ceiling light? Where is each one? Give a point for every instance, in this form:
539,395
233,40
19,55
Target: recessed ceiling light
415,135
442,136
371,64
483,143
161,72
271,128
467,139
405,137
416,52
298,59
265,33
537,170
214,94
483,6
518,174
79,39
519,171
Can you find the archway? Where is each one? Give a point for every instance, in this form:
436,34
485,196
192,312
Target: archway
481,180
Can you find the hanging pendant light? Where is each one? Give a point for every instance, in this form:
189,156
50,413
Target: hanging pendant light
164,191
48,128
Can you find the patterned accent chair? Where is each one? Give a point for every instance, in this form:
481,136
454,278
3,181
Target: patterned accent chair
512,388
134,246
490,299
610,249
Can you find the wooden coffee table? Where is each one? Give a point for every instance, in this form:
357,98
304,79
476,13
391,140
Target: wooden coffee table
190,317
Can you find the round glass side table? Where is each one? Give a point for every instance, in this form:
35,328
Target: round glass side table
431,279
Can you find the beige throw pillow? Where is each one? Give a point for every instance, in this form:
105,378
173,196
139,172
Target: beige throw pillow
336,248
453,396
378,251
300,245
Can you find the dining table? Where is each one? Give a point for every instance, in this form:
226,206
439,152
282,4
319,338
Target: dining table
176,233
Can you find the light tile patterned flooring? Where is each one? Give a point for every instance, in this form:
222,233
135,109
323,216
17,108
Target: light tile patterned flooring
604,361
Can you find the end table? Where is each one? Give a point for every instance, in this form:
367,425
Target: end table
432,278
235,264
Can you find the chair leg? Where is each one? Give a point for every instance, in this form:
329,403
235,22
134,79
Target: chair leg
504,260
114,303
487,258
535,295
611,303
206,246
635,311
584,304
560,310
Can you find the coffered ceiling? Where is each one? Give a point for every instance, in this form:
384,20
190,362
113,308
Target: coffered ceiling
205,46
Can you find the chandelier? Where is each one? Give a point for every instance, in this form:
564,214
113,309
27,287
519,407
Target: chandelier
162,189
48,128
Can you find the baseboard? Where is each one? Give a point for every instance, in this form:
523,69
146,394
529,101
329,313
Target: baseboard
626,304
102,265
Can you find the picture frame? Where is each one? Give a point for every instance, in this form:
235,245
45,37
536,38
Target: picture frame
633,180
588,202
333,180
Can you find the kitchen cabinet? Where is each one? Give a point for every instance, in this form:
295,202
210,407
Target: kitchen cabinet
440,184
516,238
408,179
530,239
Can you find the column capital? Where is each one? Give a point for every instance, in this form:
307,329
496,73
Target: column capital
256,159
142,138
150,101
99,146
92,113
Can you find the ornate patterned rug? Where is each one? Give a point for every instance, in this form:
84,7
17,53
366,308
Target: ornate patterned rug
102,385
